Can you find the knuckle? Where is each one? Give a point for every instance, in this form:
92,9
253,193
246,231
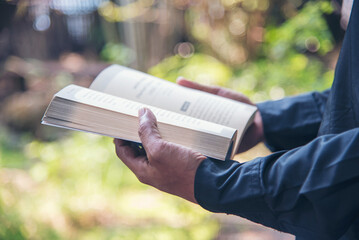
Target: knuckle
142,129
146,127
216,90
223,92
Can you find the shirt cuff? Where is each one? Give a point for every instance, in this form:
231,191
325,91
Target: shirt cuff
230,187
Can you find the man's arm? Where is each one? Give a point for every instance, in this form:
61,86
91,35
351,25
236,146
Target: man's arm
293,121
311,191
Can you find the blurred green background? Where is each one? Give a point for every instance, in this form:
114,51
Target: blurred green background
57,184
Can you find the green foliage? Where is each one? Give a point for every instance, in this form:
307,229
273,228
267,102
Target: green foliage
287,62
287,65
273,80
10,222
307,31
76,188
117,53
11,149
200,67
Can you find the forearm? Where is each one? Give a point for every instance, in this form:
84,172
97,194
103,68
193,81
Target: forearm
293,191
292,121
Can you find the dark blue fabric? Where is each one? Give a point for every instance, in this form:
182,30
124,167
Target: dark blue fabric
310,186
342,111
310,191
298,116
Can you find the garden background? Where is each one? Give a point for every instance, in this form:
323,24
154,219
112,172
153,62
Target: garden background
57,184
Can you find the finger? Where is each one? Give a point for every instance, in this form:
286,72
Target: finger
228,93
189,84
129,157
120,142
148,130
223,92
123,149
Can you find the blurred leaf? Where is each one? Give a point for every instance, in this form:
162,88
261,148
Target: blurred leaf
117,53
199,67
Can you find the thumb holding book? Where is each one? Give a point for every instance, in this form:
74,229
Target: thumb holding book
164,165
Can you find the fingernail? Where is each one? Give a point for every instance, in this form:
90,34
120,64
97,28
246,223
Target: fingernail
141,112
179,78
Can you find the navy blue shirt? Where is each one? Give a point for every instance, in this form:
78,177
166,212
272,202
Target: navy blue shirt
309,186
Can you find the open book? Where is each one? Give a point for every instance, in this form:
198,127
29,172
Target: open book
204,122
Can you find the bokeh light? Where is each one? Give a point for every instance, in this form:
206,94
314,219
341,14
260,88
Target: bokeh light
184,49
42,23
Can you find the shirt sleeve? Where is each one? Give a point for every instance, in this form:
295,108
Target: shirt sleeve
292,121
311,191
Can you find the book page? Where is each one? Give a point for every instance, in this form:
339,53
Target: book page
144,88
125,106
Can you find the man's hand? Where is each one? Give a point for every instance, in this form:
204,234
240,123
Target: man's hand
254,133
166,166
